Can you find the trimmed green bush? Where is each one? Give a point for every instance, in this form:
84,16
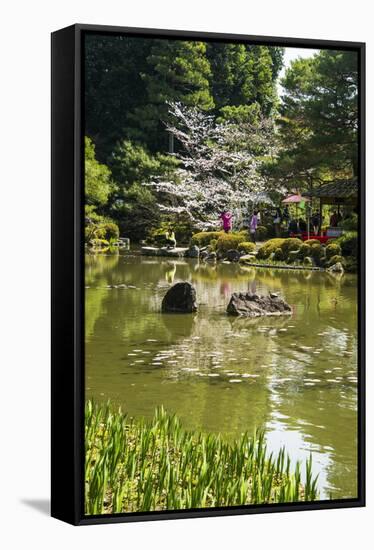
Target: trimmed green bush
317,251
289,245
261,233
213,244
229,241
204,237
348,243
247,247
308,261
269,247
310,242
333,249
278,255
305,250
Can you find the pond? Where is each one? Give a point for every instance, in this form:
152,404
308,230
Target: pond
296,376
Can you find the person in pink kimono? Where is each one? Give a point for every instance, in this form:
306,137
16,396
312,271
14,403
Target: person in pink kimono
226,218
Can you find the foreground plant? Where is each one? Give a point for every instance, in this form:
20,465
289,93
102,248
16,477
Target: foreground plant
152,465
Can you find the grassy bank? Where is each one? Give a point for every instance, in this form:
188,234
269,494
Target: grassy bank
157,465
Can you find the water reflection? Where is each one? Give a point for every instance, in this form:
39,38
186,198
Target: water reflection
296,375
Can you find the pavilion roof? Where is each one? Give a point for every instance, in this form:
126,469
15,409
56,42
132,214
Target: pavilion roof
340,189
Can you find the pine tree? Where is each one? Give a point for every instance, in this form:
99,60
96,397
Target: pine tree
244,79
177,70
319,118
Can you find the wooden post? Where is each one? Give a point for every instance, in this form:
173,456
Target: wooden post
320,215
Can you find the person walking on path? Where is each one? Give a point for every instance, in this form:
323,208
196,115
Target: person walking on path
226,218
253,226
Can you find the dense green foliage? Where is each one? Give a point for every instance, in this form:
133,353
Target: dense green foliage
269,247
97,178
348,243
231,241
129,83
128,80
319,119
333,249
205,237
143,465
99,228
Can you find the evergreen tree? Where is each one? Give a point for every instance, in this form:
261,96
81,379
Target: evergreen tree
177,70
113,87
243,75
97,178
319,118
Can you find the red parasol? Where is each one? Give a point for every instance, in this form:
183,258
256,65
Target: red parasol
294,199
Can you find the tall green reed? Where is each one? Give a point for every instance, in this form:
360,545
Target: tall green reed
157,465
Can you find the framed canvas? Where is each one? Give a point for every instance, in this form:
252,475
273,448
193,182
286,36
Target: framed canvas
208,274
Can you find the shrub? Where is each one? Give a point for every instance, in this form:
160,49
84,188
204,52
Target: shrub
289,245
305,250
316,250
111,231
348,243
350,224
229,241
243,233
333,249
247,247
213,244
336,259
278,255
351,264
261,233
308,261
269,247
204,237
310,242
181,228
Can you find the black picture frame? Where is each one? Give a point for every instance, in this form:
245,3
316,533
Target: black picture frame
67,386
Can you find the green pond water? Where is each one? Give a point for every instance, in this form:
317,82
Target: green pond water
296,376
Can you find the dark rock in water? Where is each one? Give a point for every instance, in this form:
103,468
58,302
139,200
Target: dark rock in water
204,254
336,268
180,298
247,304
193,251
233,255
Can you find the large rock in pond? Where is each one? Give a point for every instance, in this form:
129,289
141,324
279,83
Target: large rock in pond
246,304
180,298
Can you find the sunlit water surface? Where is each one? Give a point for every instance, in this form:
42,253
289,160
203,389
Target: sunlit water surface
296,376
